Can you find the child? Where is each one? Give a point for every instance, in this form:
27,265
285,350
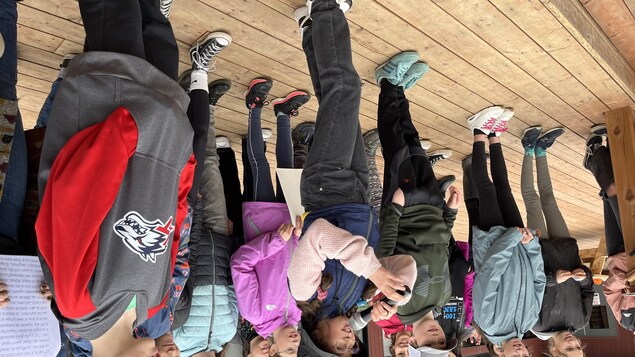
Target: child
510,279
414,218
259,266
598,160
333,190
566,305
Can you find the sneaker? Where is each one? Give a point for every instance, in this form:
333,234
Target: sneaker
256,94
548,138
290,104
222,142
203,54
184,80
303,133
266,133
166,6
501,122
485,119
217,89
593,143
395,69
301,16
371,141
599,129
439,155
530,137
445,182
414,74
425,144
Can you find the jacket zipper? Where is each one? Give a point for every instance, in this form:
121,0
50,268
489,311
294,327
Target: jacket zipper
211,322
354,285
286,311
520,293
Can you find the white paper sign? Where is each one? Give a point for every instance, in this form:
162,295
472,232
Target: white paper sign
27,325
290,182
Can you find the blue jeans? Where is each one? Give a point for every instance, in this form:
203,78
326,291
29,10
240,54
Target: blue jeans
45,112
14,185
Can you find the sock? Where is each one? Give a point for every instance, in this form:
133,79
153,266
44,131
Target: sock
198,80
479,132
529,151
541,152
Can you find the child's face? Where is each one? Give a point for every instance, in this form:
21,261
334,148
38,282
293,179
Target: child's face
401,343
166,346
429,334
141,347
513,348
259,347
338,335
567,344
286,341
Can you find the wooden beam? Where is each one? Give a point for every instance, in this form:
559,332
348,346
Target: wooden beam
574,17
587,254
375,340
621,130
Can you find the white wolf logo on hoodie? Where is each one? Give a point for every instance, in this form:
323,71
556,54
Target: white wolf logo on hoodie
146,239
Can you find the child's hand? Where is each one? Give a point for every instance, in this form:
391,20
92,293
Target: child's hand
45,291
578,274
399,197
454,200
298,226
381,311
388,283
4,295
527,235
286,231
474,337
563,275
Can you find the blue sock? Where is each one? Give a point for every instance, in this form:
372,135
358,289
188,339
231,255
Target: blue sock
529,151
541,152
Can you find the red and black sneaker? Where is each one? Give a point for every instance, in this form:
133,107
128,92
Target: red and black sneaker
256,94
290,104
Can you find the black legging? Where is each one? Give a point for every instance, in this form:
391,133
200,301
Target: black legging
496,202
198,113
231,186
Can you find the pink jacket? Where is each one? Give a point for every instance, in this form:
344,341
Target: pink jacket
259,269
615,285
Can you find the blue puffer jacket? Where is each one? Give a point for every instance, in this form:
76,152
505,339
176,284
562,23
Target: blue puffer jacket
347,288
212,323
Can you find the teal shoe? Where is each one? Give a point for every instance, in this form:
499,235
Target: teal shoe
396,67
414,74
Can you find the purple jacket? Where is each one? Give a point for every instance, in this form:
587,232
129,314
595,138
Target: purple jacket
259,269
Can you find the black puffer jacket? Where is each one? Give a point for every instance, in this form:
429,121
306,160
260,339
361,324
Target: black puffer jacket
210,255
565,306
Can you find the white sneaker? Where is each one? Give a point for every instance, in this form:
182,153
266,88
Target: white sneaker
222,142
501,122
439,155
485,119
266,134
425,144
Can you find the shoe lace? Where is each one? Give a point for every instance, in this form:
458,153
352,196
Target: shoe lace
205,58
294,112
257,101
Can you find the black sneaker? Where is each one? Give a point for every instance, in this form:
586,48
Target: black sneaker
530,137
165,6
593,143
217,89
67,59
203,54
439,155
184,80
303,133
548,138
371,141
445,182
256,94
290,104
599,129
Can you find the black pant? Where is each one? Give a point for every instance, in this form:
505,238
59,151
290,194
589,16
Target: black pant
612,226
335,171
231,186
198,113
399,139
136,28
496,202
602,168
473,216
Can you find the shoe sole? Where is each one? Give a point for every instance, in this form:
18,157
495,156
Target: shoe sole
289,96
425,144
300,13
446,153
598,127
252,84
539,127
551,131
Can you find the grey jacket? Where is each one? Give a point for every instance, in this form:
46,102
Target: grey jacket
509,283
134,218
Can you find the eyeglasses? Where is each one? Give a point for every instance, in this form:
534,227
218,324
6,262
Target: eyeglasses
340,347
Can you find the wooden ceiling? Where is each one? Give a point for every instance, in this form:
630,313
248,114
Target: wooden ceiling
547,59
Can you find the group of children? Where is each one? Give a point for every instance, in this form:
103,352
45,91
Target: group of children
150,248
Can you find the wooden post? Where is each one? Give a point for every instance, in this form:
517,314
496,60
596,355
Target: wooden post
621,131
375,340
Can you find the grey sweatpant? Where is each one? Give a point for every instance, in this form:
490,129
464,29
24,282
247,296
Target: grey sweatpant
212,194
544,207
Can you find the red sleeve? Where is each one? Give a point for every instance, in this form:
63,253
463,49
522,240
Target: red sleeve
83,184
185,184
